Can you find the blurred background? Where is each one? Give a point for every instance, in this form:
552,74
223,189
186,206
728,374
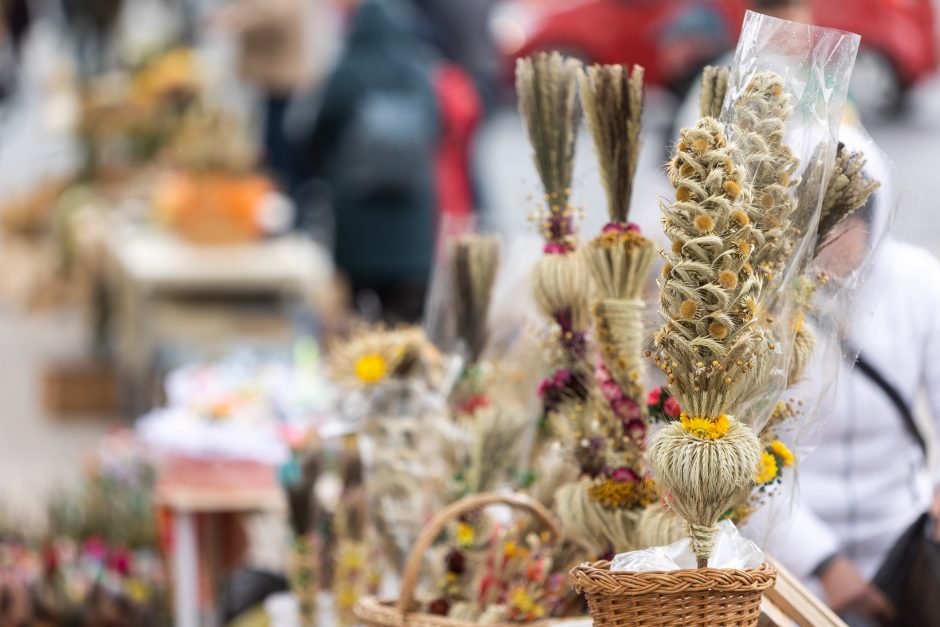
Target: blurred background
231,181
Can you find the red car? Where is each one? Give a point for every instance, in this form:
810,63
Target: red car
673,39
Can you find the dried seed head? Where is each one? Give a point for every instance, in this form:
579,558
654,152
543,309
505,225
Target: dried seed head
744,247
700,145
740,216
718,330
677,247
704,223
667,268
728,279
687,309
683,194
732,189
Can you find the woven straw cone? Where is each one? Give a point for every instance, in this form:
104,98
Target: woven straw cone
597,526
705,597
401,613
561,286
658,526
704,477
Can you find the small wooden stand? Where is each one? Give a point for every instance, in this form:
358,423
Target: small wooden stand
790,604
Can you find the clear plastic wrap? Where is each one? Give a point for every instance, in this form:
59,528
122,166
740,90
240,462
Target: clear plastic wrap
789,82
839,309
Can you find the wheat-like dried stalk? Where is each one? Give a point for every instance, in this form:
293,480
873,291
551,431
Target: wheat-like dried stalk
602,528
613,108
760,117
710,341
714,88
547,88
476,260
710,291
848,190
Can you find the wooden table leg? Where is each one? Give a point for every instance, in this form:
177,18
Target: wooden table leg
185,570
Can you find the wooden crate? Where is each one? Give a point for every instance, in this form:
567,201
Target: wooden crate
79,389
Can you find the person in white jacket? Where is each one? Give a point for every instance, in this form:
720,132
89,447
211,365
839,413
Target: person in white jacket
868,479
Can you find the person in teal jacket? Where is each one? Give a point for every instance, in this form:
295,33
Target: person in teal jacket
369,160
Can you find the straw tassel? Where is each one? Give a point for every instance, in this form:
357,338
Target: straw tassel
714,88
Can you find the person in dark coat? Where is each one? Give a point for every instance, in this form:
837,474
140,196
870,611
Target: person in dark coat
370,154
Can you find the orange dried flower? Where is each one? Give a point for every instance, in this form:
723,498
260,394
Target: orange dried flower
728,279
704,223
687,309
718,330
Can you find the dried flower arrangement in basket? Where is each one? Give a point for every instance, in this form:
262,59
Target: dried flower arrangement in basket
739,239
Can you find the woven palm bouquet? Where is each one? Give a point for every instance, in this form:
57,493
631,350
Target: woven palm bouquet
749,179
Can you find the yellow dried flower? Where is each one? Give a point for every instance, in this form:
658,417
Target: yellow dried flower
683,194
700,145
371,368
623,494
705,428
767,469
740,217
733,189
667,268
744,247
780,449
464,535
677,247
522,601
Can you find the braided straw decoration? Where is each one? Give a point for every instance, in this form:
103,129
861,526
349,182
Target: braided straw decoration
804,342
710,340
714,88
401,613
475,263
760,116
658,526
599,527
619,263
547,86
613,105
708,597
848,190
704,478
710,289
561,286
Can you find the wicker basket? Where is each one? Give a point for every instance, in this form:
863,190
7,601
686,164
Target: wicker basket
401,613
712,597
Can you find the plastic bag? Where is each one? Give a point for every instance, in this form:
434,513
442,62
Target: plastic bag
839,314
806,71
732,550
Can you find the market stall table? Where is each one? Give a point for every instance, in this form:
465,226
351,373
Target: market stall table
162,284
192,491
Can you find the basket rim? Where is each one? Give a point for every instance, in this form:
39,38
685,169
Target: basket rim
597,578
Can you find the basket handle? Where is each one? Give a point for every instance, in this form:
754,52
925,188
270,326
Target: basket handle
436,525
